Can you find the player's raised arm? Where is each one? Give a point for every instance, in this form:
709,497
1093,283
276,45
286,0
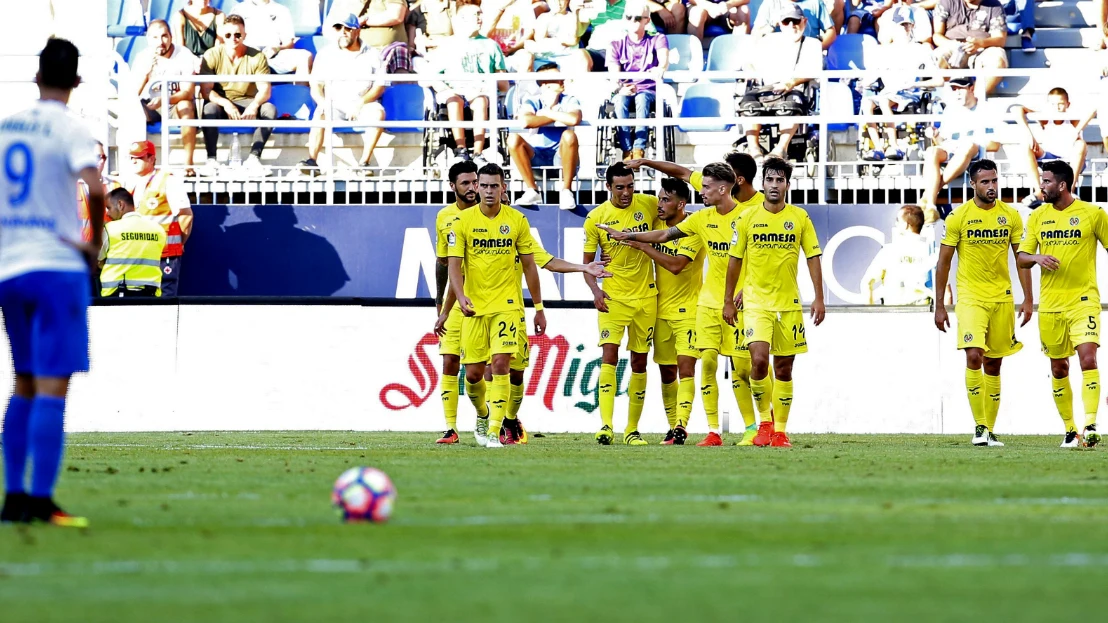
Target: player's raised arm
673,264
657,235
942,276
671,169
531,274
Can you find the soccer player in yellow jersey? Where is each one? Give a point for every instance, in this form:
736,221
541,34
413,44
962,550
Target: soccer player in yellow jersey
1065,231
682,270
982,230
629,300
768,242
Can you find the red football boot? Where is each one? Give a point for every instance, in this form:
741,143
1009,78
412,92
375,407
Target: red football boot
780,440
449,436
713,439
765,435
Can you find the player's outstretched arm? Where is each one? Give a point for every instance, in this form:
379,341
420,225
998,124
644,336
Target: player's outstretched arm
457,284
942,275
596,269
657,235
734,267
1046,262
673,264
531,274
671,169
1028,306
815,269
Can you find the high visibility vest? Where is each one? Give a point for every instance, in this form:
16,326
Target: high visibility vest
154,205
82,212
134,255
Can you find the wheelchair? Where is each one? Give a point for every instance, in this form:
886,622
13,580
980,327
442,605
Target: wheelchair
608,151
437,140
913,138
804,144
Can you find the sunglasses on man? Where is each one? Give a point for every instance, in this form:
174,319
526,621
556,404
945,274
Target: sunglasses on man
791,21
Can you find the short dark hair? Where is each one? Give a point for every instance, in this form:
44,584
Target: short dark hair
779,165
978,166
674,186
617,170
236,19
743,164
547,67
1061,171
720,171
121,195
57,64
491,169
1060,91
158,22
460,167
913,215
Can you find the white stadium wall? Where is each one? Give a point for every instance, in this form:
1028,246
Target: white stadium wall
220,367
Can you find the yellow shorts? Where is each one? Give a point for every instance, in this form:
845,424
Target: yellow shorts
451,342
673,339
1062,332
492,334
991,326
783,331
636,317
712,333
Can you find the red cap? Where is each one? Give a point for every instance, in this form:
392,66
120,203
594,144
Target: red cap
142,149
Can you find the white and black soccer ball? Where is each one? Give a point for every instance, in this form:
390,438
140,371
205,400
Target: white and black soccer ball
364,494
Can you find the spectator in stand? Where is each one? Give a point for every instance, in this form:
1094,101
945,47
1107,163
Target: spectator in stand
436,28
970,34
670,16
965,131
383,23
511,24
197,27
549,117
352,100
162,57
636,52
161,197
787,62
82,195
895,17
819,19
236,100
734,15
471,53
1052,140
1020,18
863,16
271,31
1101,39
556,38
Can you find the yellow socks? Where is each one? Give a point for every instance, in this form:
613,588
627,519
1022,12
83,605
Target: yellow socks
740,385
1063,399
476,392
992,400
450,400
686,392
515,399
669,401
499,394
782,404
760,390
607,391
976,397
709,390
1090,394
636,394
767,415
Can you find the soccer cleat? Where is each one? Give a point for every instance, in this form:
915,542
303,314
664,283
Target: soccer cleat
780,440
748,437
633,438
481,431
668,441
713,439
994,442
765,435
1072,440
449,436
511,432
15,507
493,441
46,511
604,437
679,435
520,431
980,436
1091,436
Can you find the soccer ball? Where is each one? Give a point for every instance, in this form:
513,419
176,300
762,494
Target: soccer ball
364,494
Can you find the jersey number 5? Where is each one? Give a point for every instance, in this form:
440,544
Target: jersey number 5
19,167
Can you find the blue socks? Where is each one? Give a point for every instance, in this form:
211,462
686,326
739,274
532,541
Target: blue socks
46,435
15,441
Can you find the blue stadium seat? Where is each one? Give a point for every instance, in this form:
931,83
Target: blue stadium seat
704,103
129,47
836,98
125,18
407,101
163,9
307,21
311,44
295,101
726,54
850,51
689,52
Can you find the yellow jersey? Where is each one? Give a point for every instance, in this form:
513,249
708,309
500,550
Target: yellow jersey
1071,236
983,239
678,294
771,244
488,248
715,232
632,271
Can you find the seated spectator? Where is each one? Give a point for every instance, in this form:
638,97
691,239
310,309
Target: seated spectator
971,34
196,26
862,16
549,117
271,31
818,19
351,100
511,24
383,23
236,100
787,62
965,130
556,38
432,28
734,15
900,14
471,53
164,58
1020,17
901,272
669,17
636,52
1052,140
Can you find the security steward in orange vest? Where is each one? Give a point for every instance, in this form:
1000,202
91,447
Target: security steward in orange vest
130,258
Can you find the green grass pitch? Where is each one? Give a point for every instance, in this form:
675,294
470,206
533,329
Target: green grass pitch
238,527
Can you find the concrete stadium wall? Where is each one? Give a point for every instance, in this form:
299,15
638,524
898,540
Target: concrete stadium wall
223,367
